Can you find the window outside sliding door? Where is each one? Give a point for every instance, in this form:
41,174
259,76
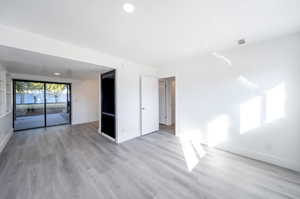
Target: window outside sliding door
41,104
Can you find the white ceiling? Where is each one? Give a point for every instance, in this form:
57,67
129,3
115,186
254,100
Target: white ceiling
159,31
25,62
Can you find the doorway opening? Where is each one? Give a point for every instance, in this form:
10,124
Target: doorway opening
167,104
38,104
108,104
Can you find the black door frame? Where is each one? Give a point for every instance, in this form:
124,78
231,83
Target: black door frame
69,99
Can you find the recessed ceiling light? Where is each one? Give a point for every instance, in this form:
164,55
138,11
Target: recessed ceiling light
128,7
56,74
241,41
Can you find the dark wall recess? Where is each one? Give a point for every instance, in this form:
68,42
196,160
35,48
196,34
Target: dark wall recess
108,105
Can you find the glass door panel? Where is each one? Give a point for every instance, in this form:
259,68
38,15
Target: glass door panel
29,105
57,104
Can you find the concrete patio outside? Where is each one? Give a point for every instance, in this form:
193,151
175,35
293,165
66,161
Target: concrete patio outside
27,122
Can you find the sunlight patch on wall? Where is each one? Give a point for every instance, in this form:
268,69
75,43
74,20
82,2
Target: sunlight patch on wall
250,114
217,130
275,103
247,83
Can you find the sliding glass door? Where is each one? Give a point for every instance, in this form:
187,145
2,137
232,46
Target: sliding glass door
41,104
57,104
29,105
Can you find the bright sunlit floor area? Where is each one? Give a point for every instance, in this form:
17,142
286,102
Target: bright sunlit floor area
75,162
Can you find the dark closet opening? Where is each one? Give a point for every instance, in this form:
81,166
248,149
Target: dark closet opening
108,119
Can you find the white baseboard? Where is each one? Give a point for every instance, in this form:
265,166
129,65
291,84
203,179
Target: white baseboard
5,139
263,157
281,162
121,140
84,122
106,136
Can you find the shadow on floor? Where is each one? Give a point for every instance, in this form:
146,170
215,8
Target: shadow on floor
169,129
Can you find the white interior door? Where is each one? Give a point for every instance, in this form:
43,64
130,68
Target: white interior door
149,105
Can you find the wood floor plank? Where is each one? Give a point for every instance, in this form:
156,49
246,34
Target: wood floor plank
76,162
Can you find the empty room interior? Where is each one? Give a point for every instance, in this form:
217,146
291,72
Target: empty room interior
145,99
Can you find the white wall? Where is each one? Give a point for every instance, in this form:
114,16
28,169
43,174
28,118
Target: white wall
128,73
85,99
6,129
85,96
128,100
211,88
